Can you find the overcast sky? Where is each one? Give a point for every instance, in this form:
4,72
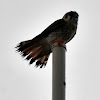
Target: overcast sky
24,19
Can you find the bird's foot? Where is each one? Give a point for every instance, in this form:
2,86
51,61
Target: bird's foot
58,43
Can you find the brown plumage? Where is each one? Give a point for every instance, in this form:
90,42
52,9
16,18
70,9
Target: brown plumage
39,48
33,50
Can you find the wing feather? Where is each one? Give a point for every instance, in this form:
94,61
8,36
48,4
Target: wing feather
53,27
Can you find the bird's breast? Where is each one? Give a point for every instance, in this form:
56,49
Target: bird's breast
65,33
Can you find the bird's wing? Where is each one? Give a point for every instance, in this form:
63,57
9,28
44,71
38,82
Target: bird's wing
56,25
37,48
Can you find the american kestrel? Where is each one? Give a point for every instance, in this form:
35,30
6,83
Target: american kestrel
39,48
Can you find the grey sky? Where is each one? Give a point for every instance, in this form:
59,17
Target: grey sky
24,19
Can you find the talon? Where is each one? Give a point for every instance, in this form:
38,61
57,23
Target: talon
59,42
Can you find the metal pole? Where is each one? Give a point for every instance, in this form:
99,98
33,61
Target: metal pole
58,72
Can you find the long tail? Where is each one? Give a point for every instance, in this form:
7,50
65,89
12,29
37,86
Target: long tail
34,51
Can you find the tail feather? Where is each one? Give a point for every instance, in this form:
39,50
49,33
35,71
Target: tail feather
23,45
32,47
35,54
42,61
33,51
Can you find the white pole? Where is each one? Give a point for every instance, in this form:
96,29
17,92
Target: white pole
58,72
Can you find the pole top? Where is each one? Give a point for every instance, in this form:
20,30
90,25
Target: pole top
57,45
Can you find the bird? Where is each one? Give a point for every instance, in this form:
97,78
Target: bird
39,48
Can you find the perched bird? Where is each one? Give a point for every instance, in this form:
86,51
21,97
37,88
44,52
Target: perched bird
39,48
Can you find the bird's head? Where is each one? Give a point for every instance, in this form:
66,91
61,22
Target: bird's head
71,16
